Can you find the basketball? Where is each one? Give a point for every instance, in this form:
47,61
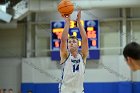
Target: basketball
65,7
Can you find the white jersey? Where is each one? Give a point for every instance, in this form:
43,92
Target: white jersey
72,75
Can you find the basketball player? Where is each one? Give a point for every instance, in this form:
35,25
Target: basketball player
131,53
73,62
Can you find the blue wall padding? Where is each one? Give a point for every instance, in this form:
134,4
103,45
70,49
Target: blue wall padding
92,87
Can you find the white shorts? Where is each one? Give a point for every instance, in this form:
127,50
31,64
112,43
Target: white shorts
69,91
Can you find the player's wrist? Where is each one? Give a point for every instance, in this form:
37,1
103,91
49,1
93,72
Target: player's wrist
78,21
68,22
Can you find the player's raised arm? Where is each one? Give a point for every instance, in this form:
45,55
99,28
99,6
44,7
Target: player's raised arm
63,45
84,45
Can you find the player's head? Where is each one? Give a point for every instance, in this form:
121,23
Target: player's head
73,43
131,53
10,90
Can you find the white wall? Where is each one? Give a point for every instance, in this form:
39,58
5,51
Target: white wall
136,31
10,73
12,42
110,69
100,14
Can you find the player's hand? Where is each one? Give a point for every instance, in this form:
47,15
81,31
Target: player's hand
78,15
66,18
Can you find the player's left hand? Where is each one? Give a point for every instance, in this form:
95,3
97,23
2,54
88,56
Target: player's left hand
79,15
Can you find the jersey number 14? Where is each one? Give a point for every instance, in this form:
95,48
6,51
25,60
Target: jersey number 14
75,67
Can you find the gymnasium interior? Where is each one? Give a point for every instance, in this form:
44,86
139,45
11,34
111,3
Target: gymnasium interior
30,33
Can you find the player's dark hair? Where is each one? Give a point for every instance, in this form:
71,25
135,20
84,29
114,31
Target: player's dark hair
10,89
132,50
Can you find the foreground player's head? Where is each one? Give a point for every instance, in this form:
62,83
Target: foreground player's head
73,43
131,53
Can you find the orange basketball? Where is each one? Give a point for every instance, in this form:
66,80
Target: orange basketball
65,7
